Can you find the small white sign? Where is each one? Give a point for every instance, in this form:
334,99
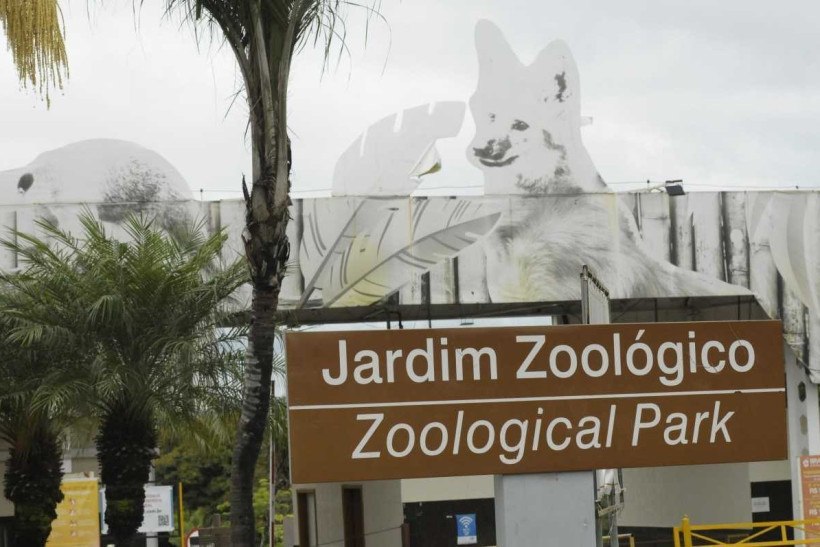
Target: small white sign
158,512
760,505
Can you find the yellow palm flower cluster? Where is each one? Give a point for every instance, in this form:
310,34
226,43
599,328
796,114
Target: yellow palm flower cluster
34,32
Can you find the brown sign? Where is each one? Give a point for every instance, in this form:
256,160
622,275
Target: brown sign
442,402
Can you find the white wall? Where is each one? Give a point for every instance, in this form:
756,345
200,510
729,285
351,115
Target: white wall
770,471
447,488
654,496
661,496
383,512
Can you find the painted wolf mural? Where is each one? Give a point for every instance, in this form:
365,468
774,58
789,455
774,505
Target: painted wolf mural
550,210
528,141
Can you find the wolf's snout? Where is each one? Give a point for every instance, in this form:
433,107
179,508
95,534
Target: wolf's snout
494,150
492,155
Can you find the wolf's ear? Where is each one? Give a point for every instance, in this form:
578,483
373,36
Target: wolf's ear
496,59
556,68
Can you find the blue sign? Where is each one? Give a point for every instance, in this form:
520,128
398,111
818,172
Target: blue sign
466,529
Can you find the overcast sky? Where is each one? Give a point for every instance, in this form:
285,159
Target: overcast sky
721,94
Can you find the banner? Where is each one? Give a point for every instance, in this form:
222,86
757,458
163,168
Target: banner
77,523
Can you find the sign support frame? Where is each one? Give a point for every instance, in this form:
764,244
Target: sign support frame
520,498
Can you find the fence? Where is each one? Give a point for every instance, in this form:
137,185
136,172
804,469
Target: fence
694,535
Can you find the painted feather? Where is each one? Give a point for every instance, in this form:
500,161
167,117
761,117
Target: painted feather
386,242
387,160
350,246
404,244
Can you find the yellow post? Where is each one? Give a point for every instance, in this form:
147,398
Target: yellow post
687,532
181,518
676,537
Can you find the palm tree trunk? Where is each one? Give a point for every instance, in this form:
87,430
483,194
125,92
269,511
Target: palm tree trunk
32,482
267,250
266,71
126,445
255,407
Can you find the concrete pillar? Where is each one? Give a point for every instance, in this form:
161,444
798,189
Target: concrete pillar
545,509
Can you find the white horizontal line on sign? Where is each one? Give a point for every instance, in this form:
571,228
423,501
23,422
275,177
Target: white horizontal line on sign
537,399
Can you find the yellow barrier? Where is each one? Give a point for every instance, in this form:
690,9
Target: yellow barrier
620,537
688,534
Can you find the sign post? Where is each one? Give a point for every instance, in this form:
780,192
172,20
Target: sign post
595,310
520,499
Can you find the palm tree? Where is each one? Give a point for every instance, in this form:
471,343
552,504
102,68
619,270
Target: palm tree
263,35
146,314
38,404
33,470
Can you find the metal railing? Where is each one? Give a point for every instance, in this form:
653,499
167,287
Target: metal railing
692,535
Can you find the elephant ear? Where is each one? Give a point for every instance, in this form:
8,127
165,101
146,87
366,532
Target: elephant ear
795,244
389,158
758,217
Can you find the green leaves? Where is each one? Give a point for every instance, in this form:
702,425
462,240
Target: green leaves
129,332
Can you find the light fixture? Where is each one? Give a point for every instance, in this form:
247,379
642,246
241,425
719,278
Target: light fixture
673,188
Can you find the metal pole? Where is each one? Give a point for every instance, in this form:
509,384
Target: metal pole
272,470
151,539
181,517
687,532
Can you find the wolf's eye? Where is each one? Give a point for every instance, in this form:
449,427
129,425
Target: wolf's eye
518,125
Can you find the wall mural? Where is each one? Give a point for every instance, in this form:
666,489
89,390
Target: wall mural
109,177
545,211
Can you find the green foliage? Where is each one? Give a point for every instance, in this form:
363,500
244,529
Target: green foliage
261,501
204,473
283,506
31,430
284,502
144,318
